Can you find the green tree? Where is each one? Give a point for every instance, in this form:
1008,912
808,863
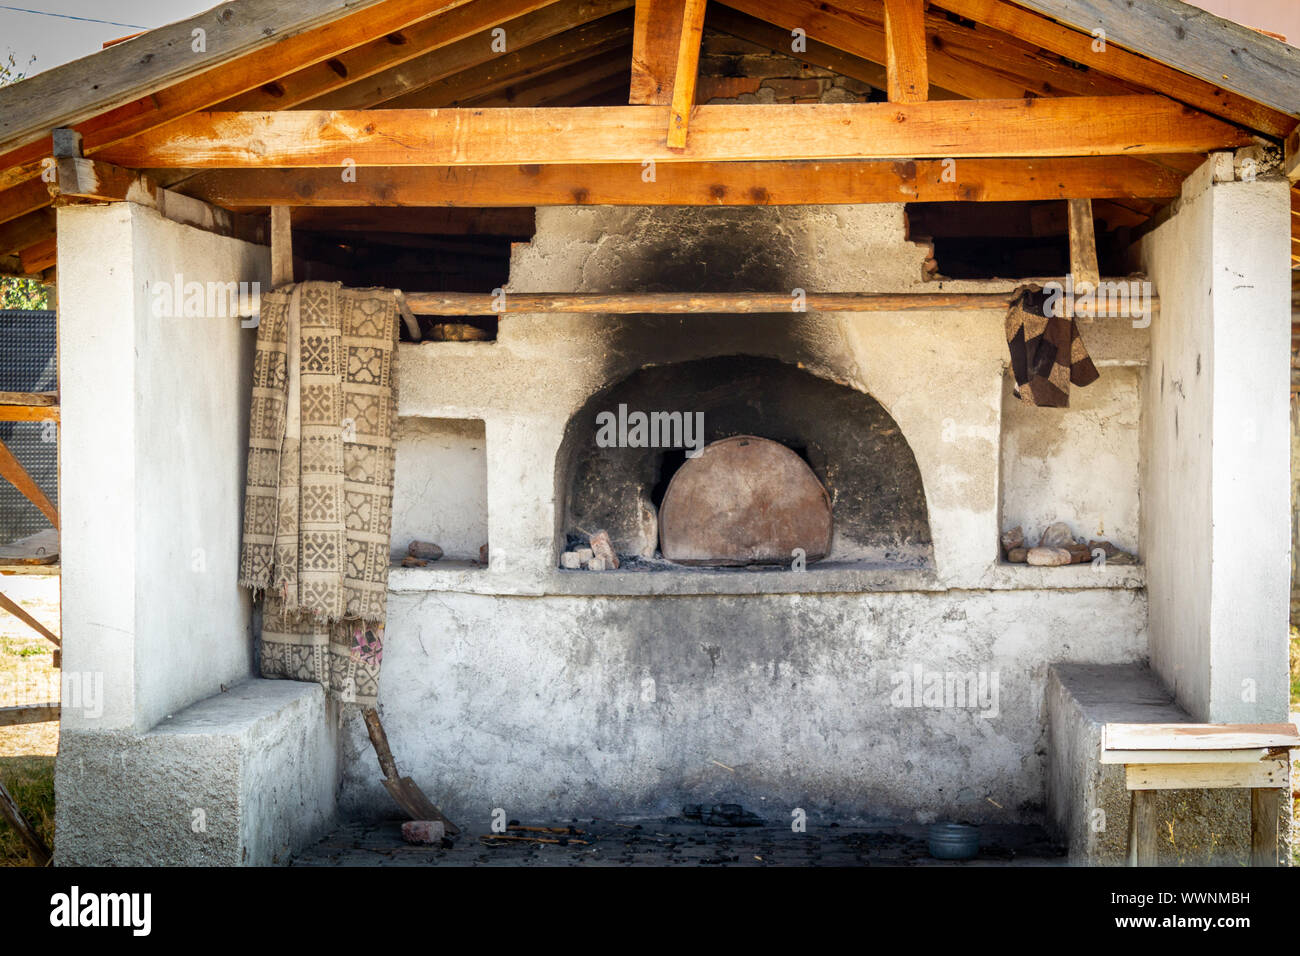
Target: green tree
19,293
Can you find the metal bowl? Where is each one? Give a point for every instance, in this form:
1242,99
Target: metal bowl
954,841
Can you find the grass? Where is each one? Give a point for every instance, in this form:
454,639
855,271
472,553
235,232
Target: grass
31,782
27,675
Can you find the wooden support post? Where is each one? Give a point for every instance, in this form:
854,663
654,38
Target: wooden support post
281,246
36,847
688,68
908,68
1265,804
12,470
1083,243
1143,828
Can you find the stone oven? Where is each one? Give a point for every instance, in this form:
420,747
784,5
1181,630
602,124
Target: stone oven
557,692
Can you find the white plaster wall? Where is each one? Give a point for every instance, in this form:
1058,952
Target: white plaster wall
154,437
1215,491
440,489
1079,464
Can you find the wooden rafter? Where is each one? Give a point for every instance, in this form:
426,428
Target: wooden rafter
388,52
965,59
468,54
810,51
126,69
1065,126
567,85
909,77
1187,38
563,51
12,470
1111,59
686,72
657,36
697,184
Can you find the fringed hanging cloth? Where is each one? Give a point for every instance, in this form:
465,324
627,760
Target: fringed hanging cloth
1047,354
318,504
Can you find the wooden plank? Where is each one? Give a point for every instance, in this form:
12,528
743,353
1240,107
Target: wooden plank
1065,126
39,257
965,59
1082,48
1083,243
1292,161
28,714
686,72
567,86
1249,755
1198,736
18,611
90,180
12,470
473,303
68,94
29,413
377,56
697,184
23,199
281,246
29,398
656,38
1189,39
367,20
26,231
813,52
909,75
1143,829
1265,807
565,50
1274,772
36,847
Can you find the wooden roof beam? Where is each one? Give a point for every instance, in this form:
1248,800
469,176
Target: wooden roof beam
971,61
909,75
388,52
656,37
1187,38
697,184
260,41
686,72
501,70
522,32
1064,126
1083,48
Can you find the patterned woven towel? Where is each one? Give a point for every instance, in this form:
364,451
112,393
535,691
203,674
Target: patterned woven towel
1047,354
318,504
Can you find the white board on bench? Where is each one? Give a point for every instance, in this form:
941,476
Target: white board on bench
1195,737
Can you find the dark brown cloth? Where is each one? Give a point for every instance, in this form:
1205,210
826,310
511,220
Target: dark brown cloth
1047,354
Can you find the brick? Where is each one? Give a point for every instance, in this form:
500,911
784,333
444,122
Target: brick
424,832
786,88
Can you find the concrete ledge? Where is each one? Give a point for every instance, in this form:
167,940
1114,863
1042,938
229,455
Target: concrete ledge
823,578
244,777
1088,804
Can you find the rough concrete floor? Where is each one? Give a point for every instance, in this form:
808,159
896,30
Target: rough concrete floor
683,843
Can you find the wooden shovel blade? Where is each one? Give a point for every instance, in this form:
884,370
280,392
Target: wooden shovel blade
415,804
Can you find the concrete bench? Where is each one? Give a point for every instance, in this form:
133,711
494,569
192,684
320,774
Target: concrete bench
1179,756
